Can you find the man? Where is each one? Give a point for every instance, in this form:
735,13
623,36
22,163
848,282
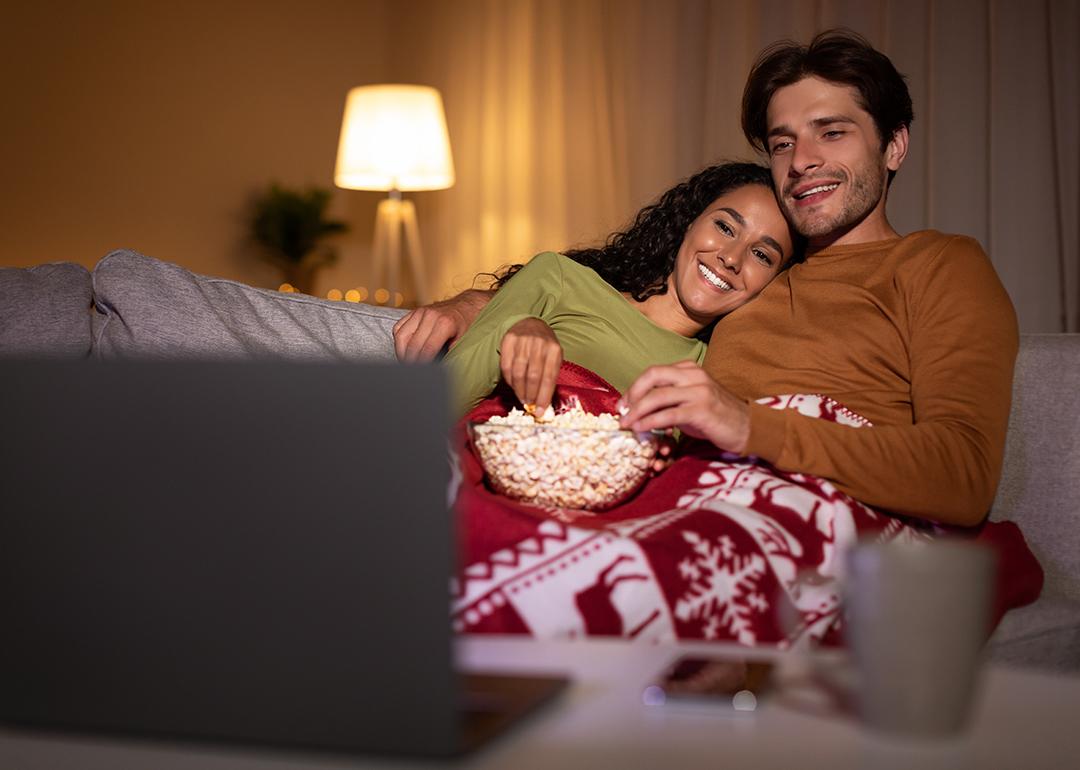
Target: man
915,333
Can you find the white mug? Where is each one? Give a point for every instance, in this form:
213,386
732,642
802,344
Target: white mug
917,616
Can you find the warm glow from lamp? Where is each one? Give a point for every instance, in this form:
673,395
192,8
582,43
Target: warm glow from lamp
394,137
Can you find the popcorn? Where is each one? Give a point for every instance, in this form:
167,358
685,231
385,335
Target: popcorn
569,460
546,416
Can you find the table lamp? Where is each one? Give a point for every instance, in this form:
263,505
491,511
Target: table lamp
394,138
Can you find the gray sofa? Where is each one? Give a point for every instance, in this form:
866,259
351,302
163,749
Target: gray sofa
131,305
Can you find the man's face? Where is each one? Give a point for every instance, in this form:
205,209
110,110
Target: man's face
827,164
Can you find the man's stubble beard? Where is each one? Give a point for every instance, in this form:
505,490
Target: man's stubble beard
862,196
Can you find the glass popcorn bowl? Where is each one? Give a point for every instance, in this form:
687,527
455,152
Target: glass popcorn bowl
564,467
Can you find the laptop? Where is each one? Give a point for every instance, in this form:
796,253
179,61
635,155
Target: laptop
244,551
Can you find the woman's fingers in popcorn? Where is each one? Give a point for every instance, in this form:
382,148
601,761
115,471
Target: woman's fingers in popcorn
529,358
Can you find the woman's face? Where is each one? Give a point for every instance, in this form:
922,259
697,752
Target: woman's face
730,252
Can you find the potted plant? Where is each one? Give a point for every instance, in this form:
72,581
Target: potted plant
289,225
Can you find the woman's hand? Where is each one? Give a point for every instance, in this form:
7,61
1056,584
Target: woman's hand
530,357
683,396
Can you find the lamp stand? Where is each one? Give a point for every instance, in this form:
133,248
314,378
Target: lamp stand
393,216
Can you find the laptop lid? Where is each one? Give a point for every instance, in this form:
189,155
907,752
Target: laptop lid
254,551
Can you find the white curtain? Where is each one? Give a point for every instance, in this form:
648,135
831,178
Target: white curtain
568,116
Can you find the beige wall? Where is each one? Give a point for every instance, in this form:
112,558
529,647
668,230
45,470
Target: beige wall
124,124
151,125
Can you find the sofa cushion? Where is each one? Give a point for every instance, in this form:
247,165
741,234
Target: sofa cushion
153,309
45,311
1045,634
1040,481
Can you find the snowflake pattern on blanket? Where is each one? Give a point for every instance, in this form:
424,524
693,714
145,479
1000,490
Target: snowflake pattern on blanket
716,547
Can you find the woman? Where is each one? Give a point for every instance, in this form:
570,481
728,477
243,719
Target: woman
708,246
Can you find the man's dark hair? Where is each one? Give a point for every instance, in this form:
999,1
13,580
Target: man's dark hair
839,56
639,259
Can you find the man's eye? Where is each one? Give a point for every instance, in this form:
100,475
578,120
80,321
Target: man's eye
779,147
833,134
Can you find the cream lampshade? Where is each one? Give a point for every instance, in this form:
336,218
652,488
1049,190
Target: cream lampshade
394,138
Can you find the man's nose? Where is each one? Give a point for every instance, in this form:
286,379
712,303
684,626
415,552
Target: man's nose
804,158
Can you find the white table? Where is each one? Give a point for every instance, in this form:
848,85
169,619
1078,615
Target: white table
1023,719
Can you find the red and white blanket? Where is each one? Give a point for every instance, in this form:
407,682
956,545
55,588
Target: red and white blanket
715,547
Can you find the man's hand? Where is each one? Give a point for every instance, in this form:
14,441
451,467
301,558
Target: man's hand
530,357
422,333
683,396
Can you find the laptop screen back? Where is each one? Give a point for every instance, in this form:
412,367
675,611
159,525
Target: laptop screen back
252,551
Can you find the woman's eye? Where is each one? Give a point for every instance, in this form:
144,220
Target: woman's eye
764,257
723,227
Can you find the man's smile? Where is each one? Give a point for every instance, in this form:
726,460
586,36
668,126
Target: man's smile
810,194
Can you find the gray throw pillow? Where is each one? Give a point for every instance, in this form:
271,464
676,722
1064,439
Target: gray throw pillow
147,308
1040,476
45,311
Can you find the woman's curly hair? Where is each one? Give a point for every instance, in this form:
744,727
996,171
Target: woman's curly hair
639,260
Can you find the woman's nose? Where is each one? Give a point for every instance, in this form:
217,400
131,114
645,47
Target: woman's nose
730,259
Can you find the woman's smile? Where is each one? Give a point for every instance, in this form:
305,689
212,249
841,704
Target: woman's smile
713,279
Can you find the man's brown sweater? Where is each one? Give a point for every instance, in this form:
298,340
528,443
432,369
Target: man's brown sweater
917,335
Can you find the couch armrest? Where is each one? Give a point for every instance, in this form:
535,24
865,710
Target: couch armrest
45,311
153,309
1040,480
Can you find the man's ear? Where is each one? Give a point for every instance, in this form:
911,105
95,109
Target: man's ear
896,149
